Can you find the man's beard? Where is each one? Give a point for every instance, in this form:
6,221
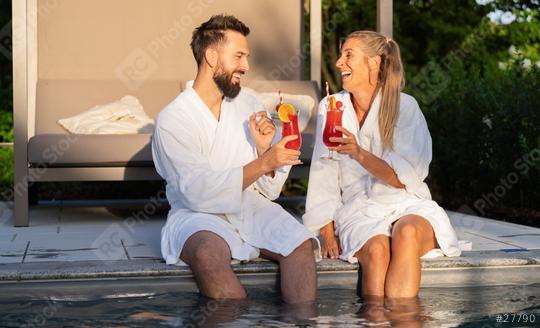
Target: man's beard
224,82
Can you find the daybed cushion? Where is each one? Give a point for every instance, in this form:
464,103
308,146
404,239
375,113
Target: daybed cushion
52,146
63,150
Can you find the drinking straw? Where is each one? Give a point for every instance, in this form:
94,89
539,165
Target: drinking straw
280,97
327,89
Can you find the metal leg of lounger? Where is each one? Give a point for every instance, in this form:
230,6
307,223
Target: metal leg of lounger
20,196
22,73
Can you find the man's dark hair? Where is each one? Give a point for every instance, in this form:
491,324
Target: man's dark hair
212,32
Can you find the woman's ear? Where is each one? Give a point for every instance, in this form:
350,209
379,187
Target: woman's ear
374,66
374,62
211,57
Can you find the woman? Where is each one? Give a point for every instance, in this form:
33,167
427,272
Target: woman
373,206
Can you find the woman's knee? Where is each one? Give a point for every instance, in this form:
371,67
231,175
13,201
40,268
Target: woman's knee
406,232
376,250
410,230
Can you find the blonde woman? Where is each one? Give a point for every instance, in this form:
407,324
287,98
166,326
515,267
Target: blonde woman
372,206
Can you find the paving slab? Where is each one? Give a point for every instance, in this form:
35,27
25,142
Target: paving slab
485,243
12,250
144,244
69,247
87,216
505,232
43,220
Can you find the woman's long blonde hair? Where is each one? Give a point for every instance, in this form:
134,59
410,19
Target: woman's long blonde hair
390,80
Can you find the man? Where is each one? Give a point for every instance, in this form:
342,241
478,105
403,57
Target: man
212,145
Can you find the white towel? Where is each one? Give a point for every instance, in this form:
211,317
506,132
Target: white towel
125,116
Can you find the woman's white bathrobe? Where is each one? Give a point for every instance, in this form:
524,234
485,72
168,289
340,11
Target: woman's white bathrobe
201,160
361,205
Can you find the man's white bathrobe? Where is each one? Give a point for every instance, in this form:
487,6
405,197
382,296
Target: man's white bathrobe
361,205
201,160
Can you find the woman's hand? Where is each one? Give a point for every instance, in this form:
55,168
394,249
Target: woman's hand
348,145
330,248
370,162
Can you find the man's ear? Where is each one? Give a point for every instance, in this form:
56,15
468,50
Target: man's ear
211,57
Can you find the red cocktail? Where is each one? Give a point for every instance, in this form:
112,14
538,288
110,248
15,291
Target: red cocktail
333,120
288,115
291,128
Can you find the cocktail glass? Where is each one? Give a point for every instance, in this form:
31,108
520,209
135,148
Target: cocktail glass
333,120
291,128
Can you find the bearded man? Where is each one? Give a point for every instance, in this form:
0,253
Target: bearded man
213,146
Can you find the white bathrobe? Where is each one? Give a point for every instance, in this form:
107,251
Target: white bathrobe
363,206
202,162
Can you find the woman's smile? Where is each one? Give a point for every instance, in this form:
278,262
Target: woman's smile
346,76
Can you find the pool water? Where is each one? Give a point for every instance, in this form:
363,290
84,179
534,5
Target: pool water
145,307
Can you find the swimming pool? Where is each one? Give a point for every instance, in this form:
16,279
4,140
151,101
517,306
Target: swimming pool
160,302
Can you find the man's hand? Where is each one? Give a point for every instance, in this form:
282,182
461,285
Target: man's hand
331,248
262,130
275,157
278,156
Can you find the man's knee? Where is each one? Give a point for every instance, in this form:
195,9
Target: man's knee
206,249
304,250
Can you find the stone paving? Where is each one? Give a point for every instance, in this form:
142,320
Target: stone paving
65,242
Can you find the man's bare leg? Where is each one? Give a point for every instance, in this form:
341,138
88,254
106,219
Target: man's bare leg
298,273
210,259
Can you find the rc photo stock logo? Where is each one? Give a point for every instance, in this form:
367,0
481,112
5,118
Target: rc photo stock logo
6,39
109,246
135,69
6,213
464,219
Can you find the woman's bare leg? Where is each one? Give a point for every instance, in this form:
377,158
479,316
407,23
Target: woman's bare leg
374,258
412,237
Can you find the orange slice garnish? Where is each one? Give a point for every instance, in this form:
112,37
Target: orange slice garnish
284,111
332,102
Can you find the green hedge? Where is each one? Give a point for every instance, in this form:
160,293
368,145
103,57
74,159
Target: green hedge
486,137
6,154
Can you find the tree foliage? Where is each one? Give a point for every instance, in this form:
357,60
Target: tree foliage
428,30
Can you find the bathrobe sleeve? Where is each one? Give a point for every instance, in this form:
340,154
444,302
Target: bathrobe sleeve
271,187
411,154
178,159
324,191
